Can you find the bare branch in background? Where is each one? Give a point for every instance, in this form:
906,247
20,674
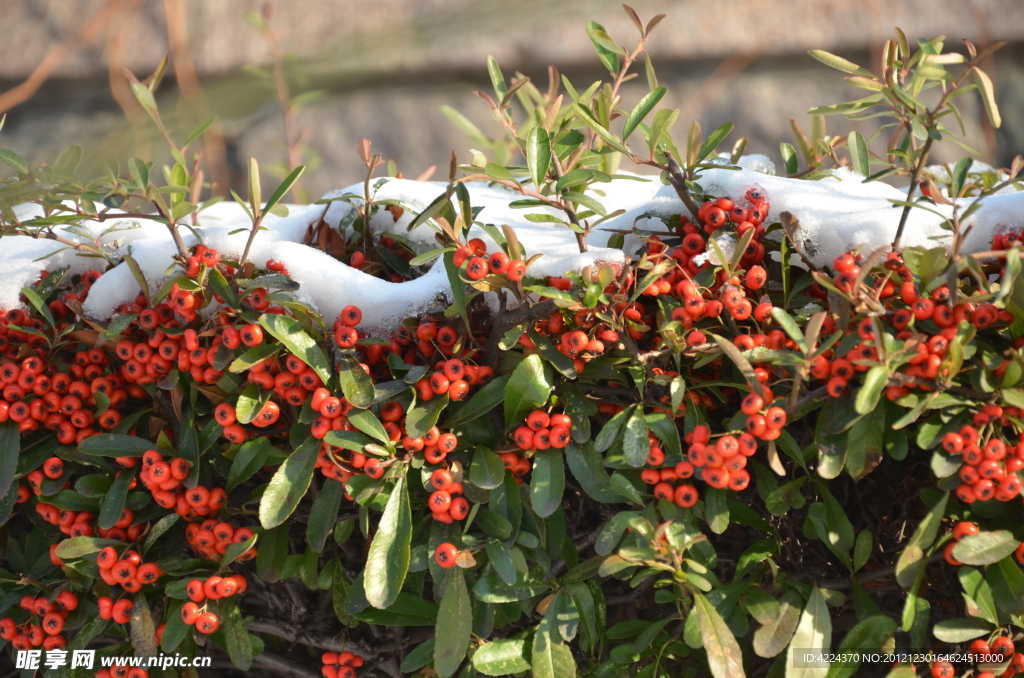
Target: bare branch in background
23,92
192,93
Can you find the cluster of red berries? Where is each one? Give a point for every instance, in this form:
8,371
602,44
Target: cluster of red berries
51,616
38,394
211,539
478,263
120,611
128,570
165,481
990,467
1000,649
445,502
212,588
123,672
340,664
453,377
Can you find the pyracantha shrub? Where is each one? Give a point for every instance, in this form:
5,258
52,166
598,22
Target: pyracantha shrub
700,460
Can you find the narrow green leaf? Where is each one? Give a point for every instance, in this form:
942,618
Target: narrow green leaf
387,562
290,333
528,388
289,484
813,634
912,559
284,187
588,118
859,158
356,384
324,514
454,625
871,392
538,155
725,659
986,548
547,481
715,138
642,110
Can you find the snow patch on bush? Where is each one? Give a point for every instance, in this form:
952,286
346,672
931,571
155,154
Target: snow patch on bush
836,214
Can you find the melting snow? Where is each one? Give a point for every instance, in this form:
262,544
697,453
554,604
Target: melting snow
836,214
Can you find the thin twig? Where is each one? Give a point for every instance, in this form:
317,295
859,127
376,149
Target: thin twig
23,92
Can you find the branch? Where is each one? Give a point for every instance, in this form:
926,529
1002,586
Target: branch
503,323
675,175
869,575
283,667
23,92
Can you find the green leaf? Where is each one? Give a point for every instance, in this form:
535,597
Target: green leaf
561,362
660,124
458,286
76,547
528,388
502,657
538,154
725,659
236,636
985,548
10,449
255,198
497,78
741,362
869,394
387,562
68,159
423,416
284,187
813,634
789,159
324,514
249,459
862,549
839,63
367,422
482,402
590,121
547,481
859,158
422,655
142,630
988,96
912,559
870,634
250,401
254,355
114,445
635,442
715,138
642,110
607,51
716,510
235,551
491,589
356,384
13,160
289,484
1007,584
454,625
961,630
290,333
140,173
624,488
487,470
113,502
772,637
550,657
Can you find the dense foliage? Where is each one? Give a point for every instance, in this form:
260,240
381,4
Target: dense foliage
697,462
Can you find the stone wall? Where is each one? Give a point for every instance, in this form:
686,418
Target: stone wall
387,66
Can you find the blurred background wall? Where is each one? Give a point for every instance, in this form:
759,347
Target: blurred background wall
382,69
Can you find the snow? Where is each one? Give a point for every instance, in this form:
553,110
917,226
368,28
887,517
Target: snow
836,214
